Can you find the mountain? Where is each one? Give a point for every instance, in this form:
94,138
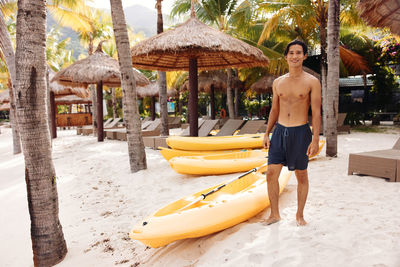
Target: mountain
139,18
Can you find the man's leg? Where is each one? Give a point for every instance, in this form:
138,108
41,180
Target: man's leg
273,191
302,192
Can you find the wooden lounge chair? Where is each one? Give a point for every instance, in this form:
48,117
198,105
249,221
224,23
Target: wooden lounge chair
253,127
207,127
153,129
379,163
79,128
186,131
230,127
87,130
174,122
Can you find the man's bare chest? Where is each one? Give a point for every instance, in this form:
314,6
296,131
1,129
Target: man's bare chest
293,91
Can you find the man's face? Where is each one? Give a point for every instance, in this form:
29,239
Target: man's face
295,56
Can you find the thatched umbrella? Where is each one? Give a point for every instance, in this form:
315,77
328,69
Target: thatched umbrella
192,46
263,85
99,69
5,96
72,99
153,90
381,13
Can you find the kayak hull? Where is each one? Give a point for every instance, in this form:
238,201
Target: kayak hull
233,204
219,163
216,142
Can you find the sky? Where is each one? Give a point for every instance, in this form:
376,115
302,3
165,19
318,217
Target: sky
166,4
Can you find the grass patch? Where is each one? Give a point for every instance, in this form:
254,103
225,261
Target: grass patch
368,129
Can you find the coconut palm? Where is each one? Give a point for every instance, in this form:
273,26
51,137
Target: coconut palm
162,79
48,243
332,92
137,155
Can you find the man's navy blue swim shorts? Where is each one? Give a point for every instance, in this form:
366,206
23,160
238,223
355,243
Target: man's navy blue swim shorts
289,146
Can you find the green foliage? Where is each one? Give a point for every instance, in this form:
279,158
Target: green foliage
56,52
390,50
384,85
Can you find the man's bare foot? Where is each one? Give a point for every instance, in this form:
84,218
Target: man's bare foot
272,220
300,221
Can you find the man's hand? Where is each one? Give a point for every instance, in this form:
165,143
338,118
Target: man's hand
313,148
266,141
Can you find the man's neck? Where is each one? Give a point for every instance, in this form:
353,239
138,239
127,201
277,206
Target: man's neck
295,72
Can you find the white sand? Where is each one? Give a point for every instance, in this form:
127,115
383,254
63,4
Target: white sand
353,220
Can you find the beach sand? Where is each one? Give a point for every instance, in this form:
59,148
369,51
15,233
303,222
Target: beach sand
352,220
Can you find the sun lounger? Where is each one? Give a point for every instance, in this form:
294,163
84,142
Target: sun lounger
230,127
87,130
253,127
379,163
186,131
207,127
174,122
79,129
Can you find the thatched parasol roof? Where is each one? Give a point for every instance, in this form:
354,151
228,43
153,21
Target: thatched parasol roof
61,90
72,99
5,96
217,78
381,13
263,85
213,49
93,69
5,106
153,90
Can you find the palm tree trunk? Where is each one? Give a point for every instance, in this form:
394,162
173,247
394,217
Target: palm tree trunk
114,103
162,79
332,93
9,56
229,95
324,67
237,94
93,93
48,243
137,155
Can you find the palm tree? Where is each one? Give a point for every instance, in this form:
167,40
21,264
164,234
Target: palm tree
332,92
137,155
48,243
8,55
162,79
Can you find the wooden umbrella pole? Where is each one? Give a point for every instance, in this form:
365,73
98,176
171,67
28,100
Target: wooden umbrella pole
193,97
53,110
212,101
100,126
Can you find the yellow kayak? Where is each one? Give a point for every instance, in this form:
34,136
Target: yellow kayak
219,163
238,201
216,142
169,153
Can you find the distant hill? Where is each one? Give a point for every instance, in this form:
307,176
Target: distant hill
139,18
142,19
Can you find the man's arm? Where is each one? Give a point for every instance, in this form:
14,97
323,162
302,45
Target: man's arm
315,96
273,114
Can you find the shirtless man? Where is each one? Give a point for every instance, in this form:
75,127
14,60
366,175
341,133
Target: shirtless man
292,141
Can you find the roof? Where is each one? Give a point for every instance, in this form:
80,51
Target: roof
213,49
356,81
381,13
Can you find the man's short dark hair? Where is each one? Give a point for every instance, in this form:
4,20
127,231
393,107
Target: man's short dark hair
296,42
